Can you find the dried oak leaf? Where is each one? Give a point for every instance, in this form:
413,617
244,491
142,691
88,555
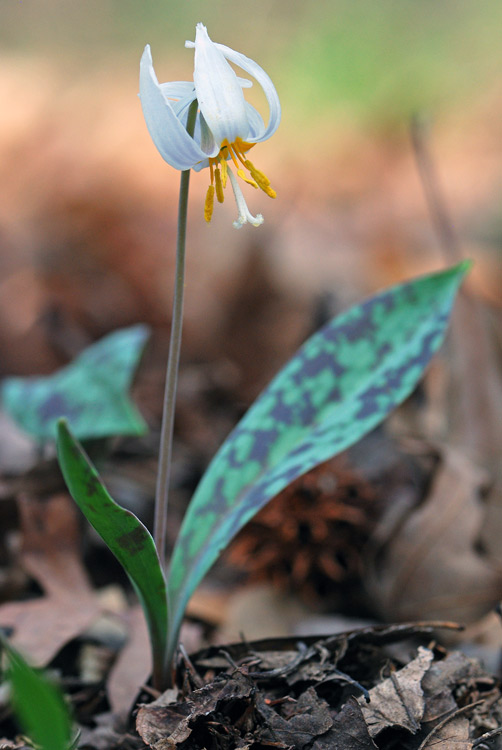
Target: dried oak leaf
450,734
432,567
455,669
349,731
398,701
50,555
447,729
301,722
221,707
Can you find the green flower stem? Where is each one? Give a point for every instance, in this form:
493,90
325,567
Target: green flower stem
166,435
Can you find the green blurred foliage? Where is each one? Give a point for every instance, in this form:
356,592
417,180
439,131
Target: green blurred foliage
92,392
377,59
38,704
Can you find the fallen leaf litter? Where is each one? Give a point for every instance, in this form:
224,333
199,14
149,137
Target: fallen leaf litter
353,691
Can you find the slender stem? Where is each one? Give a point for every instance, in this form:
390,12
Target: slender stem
166,435
433,193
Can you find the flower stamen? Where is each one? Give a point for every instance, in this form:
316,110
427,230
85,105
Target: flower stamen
260,178
228,148
209,203
220,171
243,176
224,172
239,148
219,186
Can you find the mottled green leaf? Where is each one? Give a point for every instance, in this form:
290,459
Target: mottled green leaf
38,704
339,386
91,392
123,533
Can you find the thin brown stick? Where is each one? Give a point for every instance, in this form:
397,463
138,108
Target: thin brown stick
446,720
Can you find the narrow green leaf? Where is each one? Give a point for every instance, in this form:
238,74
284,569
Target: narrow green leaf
38,704
339,386
91,392
123,533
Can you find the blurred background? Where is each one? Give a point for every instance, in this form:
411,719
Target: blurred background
85,196
88,207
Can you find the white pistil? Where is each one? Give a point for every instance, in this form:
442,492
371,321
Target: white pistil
244,213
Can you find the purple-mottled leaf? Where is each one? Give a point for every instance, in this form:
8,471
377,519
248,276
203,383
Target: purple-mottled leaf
92,392
339,386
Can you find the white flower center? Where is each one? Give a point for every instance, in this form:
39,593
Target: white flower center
219,171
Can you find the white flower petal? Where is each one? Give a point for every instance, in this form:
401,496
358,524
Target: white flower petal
219,93
268,89
176,90
201,165
207,142
167,132
245,82
180,109
255,120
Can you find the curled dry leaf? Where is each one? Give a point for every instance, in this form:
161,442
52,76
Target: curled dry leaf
398,701
291,697
41,627
451,734
164,726
349,731
432,566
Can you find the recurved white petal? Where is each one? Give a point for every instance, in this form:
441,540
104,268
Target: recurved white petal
255,120
245,82
265,82
175,90
167,132
219,92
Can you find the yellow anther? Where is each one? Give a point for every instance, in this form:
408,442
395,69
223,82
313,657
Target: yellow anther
219,186
224,173
260,178
244,177
209,204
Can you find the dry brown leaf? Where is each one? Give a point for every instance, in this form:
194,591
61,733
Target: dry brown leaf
432,567
398,700
475,391
41,627
133,664
164,724
349,731
475,405
452,734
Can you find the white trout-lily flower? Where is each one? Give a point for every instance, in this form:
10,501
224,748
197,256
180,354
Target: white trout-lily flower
226,128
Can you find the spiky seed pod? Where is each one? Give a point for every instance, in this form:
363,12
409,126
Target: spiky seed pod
310,537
